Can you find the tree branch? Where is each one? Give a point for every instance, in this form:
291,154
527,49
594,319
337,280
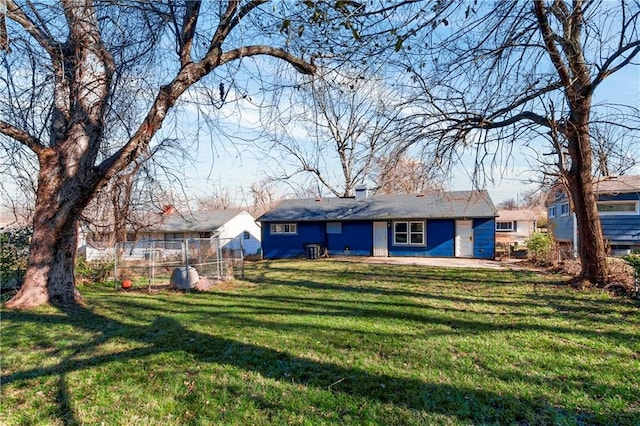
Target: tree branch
548,37
21,136
605,72
48,43
188,30
299,64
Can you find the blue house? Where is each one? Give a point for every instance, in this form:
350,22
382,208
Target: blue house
438,224
619,209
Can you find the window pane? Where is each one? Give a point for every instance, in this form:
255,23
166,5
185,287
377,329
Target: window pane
617,207
293,228
417,239
334,227
417,226
401,238
401,226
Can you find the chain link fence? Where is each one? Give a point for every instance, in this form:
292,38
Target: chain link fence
152,263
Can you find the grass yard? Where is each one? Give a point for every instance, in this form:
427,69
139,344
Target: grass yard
321,342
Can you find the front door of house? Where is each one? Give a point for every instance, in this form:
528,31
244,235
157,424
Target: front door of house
464,238
380,241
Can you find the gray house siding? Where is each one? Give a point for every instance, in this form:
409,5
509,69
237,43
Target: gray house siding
621,229
562,227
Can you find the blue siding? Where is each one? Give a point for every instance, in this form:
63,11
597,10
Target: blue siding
618,230
621,229
441,237
356,236
291,245
561,226
484,238
440,241
631,196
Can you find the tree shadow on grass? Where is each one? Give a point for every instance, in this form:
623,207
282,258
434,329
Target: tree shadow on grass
166,335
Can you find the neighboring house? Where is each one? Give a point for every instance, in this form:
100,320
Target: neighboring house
235,229
619,209
443,224
515,226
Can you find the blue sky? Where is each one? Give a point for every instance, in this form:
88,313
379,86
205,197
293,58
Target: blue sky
235,166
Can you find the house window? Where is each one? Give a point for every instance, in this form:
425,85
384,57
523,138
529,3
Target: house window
504,226
564,209
100,237
204,234
617,208
408,233
174,236
334,227
552,212
284,228
246,235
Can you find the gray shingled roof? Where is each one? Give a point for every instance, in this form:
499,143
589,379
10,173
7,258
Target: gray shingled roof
618,185
198,221
457,204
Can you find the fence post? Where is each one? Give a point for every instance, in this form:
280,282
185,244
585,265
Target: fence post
115,267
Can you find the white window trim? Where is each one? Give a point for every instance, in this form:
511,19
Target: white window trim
510,229
552,212
273,231
562,214
409,243
636,210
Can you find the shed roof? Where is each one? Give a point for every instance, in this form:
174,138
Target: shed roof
198,221
515,215
456,204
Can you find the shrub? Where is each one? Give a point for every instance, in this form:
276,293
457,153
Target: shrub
633,259
540,247
93,272
14,253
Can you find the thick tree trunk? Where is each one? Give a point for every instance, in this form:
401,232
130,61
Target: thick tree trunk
52,253
591,247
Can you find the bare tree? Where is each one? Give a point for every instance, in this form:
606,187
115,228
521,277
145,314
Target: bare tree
220,197
509,204
264,196
72,58
402,174
616,149
334,130
516,71
132,200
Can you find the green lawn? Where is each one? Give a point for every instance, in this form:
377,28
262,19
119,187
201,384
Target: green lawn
319,342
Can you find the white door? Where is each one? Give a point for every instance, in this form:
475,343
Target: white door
464,238
380,243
